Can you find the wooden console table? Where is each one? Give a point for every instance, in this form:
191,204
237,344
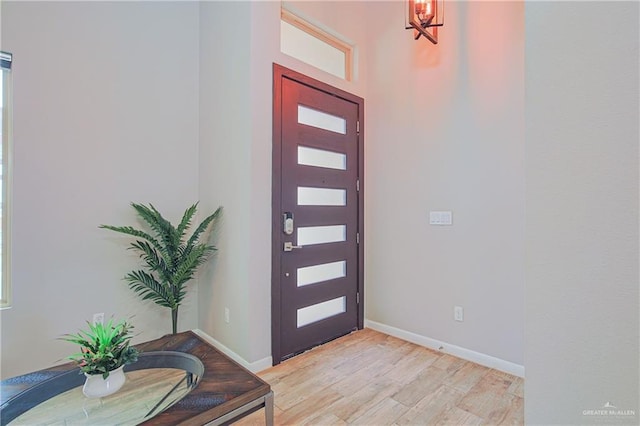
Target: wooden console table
225,392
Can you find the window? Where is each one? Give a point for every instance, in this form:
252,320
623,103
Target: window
5,177
308,43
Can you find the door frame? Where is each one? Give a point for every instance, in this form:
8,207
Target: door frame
280,72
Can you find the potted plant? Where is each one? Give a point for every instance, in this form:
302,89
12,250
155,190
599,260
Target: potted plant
104,351
171,258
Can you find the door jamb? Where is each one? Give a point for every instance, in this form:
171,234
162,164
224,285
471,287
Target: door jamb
280,72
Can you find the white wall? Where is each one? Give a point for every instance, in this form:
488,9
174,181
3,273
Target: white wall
225,170
477,152
105,113
445,131
184,95
229,127
582,347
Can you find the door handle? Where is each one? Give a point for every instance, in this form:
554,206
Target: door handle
288,246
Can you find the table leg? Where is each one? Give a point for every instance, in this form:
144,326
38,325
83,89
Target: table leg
268,409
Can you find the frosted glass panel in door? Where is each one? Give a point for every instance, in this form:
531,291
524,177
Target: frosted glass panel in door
321,234
321,196
323,272
321,158
320,311
321,120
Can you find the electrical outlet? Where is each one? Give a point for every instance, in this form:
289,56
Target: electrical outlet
226,315
98,318
458,313
440,217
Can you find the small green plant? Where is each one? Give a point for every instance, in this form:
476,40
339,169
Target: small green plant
103,347
171,258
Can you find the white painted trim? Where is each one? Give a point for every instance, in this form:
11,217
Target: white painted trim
467,354
254,367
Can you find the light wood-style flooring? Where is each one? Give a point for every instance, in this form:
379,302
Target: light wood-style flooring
370,378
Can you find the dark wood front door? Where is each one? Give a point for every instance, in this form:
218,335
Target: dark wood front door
317,282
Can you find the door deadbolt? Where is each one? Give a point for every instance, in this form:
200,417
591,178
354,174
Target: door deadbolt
287,223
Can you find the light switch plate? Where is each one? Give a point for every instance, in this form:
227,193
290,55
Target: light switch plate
441,217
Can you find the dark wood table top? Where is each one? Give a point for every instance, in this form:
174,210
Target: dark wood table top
224,386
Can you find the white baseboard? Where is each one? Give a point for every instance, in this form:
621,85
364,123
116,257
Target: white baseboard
254,367
467,354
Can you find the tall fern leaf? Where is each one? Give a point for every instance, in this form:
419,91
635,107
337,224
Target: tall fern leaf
171,259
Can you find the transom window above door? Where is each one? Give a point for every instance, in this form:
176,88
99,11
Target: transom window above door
315,46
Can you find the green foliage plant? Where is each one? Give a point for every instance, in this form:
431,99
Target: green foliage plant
103,347
171,257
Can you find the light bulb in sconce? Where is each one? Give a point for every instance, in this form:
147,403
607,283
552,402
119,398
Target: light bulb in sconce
425,9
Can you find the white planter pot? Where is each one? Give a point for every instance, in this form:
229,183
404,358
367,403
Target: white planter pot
96,387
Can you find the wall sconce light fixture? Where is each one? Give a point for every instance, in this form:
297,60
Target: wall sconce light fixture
425,16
